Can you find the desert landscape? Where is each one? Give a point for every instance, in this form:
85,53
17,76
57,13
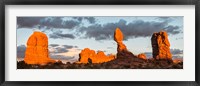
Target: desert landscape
38,54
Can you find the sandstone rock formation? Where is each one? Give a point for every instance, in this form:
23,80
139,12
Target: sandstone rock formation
142,56
161,46
121,47
118,37
37,49
89,56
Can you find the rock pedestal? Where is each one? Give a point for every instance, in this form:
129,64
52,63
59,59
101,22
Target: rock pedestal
161,46
121,47
118,37
37,49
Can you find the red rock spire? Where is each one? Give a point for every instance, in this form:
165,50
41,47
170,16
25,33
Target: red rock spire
161,45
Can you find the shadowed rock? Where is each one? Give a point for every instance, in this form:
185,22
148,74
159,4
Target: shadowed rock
37,49
161,46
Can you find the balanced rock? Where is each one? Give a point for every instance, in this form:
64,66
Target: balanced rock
161,46
118,37
142,56
89,56
37,49
121,47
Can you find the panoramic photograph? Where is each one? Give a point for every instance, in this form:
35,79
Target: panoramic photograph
99,42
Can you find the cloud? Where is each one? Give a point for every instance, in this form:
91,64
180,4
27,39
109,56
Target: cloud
55,48
165,19
176,51
137,28
134,29
60,35
28,22
21,51
91,20
53,45
68,46
46,22
60,50
172,29
61,57
78,18
63,52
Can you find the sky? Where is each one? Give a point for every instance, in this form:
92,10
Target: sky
68,35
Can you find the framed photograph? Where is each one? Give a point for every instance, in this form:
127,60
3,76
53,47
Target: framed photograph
105,42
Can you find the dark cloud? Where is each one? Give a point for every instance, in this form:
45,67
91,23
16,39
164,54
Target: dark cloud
68,46
29,22
173,29
78,18
60,35
46,22
165,19
53,45
61,48
176,51
21,51
91,20
137,28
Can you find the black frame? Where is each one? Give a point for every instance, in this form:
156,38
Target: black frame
99,2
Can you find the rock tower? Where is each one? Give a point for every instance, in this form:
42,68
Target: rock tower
37,49
161,46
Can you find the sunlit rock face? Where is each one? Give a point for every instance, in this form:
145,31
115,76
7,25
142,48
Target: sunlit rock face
161,46
121,47
90,56
37,49
142,56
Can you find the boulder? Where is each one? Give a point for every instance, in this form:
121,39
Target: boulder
37,49
142,56
161,46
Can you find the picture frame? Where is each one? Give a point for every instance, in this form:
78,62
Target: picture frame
3,3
